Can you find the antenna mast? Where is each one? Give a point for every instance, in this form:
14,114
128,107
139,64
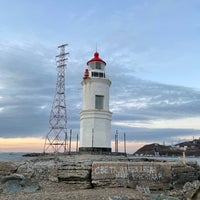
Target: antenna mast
56,137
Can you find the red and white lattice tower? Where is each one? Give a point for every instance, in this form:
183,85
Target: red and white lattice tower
56,138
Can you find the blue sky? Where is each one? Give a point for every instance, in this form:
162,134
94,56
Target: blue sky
152,52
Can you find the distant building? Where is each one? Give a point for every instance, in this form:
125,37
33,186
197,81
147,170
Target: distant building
95,117
156,150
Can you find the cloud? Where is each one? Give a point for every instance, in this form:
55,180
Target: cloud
152,100
141,108
159,135
27,87
151,111
26,80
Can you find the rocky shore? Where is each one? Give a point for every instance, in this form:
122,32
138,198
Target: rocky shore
191,148
91,176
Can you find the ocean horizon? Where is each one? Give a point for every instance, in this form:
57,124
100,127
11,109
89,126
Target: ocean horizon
11,156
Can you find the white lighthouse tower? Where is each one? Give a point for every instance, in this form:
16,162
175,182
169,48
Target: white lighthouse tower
95,117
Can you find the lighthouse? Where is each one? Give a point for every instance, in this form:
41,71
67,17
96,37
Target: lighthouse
95,117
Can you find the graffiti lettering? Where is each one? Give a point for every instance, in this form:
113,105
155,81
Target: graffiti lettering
135,171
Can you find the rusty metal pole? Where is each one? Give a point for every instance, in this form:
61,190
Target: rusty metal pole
92,138
77,143
65,149
70,140
124,142
116,141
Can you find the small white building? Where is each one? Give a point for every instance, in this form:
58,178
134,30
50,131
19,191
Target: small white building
95,117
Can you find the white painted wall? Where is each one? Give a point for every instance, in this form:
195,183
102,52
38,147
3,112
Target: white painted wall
92,87
98,120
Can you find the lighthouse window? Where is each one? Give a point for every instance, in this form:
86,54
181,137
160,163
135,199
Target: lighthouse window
99,101
98,74
98,65
101,74
95,74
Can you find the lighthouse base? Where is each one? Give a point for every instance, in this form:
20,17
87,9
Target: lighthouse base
100,150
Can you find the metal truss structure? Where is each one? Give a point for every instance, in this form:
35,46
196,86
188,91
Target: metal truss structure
56,138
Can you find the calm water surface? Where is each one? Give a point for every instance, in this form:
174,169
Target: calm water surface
11,156
188,159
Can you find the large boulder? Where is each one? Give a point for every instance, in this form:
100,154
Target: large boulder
7,168
190,190
11,186
26,168
17,182
17,177
155,175
75,174
28,186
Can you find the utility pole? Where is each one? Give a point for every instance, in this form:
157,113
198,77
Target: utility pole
66,139
70,140
124,142
116,141
92,138
77,143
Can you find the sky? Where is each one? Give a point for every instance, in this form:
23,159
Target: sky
151,48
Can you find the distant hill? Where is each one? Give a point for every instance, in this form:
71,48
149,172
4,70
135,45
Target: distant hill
192,149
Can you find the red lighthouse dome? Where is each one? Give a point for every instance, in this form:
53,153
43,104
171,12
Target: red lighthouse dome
96,59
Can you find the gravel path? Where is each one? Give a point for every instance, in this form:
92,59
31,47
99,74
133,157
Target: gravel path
88,194
63,191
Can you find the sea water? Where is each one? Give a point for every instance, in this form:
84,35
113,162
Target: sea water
8,156
188,159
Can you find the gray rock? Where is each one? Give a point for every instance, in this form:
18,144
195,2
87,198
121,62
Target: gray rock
162,197
118,198
17,182
143,189
28,186
25,168
190,189
11,186
103,171
18,177
1,189
33,187
7,168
